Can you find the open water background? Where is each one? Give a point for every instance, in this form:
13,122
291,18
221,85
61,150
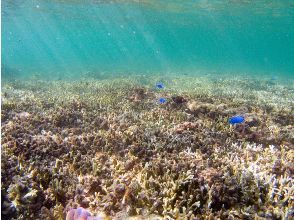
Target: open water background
67,38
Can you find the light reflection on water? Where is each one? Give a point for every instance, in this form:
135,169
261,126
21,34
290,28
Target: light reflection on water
74,37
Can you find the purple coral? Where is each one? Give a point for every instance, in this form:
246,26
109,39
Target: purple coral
81,214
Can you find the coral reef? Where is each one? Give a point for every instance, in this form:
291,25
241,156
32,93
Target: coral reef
109,147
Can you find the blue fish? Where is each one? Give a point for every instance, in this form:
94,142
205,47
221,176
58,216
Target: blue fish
162,100
159,85
236,119
274,78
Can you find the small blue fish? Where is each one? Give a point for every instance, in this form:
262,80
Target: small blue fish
162,100
159,85
236,119
274,78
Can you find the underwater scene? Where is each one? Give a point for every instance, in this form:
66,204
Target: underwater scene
147,109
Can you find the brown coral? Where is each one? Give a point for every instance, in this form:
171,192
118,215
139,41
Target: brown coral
61,150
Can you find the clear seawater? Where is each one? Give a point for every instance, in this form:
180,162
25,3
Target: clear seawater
71,38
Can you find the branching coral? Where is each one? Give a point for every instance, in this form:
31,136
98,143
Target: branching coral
108,147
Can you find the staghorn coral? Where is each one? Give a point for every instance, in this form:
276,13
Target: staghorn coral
65,147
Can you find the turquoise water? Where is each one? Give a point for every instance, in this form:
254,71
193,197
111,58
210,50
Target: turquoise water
69,38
